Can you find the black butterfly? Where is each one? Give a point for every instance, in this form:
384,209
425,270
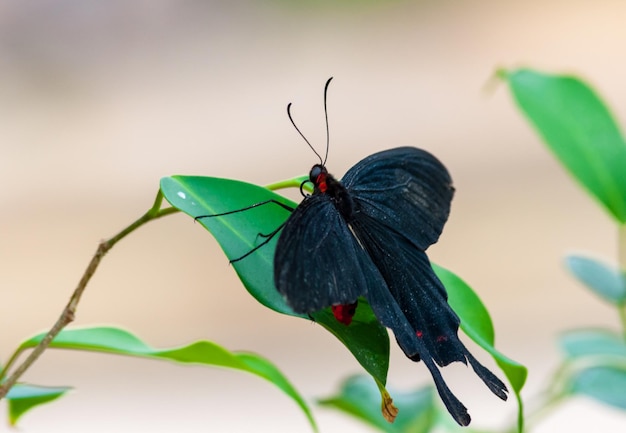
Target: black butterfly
366,236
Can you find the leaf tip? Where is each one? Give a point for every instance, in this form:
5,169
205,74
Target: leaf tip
389,410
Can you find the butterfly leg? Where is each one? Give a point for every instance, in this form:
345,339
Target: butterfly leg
283,205
267,237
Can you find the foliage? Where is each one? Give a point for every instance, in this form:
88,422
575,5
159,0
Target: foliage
579,129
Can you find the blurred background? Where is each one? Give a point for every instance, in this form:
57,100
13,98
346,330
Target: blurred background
99,100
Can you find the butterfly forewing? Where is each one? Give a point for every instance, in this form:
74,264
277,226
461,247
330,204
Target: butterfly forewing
318,261
406,189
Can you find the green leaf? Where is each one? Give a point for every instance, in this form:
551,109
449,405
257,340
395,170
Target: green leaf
476,324
365,337
606,281
238,233
24,397
121,342
592,342
360,398
580,131
603,383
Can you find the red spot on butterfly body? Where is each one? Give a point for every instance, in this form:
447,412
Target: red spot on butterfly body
320,182
419,334
441,338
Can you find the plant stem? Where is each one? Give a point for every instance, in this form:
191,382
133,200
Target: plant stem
621,261
69,311
288,183
621,246
548,405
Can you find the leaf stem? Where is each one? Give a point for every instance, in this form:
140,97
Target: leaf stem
547,406
621,261
621,247
68,313
549,399
288,183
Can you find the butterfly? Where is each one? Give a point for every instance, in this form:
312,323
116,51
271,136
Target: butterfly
365,236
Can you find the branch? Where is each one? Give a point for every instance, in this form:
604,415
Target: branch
69,312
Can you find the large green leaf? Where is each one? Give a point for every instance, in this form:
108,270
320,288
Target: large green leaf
121,342
477,325
605,280
23,397
359,398
579,129
238,233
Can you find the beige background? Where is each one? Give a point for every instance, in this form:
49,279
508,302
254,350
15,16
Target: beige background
99,100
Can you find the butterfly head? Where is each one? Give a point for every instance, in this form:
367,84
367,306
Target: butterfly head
317,176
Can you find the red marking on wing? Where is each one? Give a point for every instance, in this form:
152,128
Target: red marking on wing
344,313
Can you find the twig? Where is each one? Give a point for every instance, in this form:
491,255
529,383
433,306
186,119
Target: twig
68,314
621,260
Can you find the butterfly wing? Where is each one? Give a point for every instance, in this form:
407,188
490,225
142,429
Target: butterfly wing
402,200
318,261
406,189
413,304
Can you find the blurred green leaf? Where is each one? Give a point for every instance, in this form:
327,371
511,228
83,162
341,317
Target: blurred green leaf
606,281
606,384
579,129
476,324
597,361
24,397
238,233
360,398
121,342
592,342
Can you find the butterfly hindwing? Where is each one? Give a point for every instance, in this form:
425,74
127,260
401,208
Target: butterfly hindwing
413,285
423,299
393,315
406,189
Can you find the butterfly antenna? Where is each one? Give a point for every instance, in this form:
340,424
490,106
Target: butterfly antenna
301,134
326,116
